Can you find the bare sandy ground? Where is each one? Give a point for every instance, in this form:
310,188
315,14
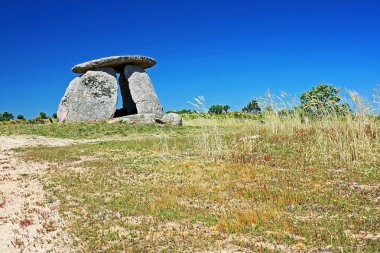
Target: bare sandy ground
28,222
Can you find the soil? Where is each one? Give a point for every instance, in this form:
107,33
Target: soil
29,219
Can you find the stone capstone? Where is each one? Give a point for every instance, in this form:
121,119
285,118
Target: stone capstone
141,90
115,62
90,97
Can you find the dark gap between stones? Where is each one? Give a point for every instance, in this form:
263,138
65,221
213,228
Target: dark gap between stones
128,105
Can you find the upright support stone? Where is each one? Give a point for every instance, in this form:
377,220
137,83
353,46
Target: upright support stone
142,91
90,97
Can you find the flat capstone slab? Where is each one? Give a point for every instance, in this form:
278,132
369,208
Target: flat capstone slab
115,62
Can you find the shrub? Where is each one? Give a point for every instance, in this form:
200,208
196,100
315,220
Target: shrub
43,115
20,117
37,120
322,101
216,109
226,108
252,107
6,116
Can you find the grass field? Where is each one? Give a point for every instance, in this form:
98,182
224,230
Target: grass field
274,185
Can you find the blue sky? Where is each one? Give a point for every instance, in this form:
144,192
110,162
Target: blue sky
227,51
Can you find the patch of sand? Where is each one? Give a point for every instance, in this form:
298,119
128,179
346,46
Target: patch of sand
29,222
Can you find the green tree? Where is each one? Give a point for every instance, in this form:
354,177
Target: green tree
226,108
54,115
43,115
323,100
6,116
20,117
252,107
216,109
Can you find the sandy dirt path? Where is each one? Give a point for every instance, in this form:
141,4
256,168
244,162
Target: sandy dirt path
28,221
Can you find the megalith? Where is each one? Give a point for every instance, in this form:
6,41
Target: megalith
93,95
90,97
141,90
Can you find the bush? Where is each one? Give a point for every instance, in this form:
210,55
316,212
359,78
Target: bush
226,108
43,115
37,120
323,100
252,107
20,117
6,116
216,109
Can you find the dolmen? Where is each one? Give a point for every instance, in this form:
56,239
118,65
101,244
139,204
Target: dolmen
92,96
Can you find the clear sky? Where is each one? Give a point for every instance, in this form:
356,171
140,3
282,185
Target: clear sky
227,51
